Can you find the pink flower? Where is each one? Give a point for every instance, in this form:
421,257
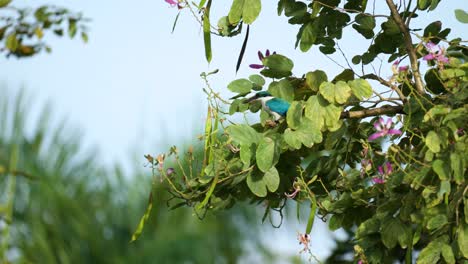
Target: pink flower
172,3
397,69
359,262
261,58
384,172
435,53
297,189
170,171
383,128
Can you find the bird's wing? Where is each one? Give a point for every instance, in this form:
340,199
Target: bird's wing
278,105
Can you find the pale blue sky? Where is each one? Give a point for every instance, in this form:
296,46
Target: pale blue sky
136,87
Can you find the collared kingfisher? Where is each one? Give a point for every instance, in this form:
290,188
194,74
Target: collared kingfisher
276,107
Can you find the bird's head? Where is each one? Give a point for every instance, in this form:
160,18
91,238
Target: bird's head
258,96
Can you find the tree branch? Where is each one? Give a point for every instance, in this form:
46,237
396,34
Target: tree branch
384,110
409,46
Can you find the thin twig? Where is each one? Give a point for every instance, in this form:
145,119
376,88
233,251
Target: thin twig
409,46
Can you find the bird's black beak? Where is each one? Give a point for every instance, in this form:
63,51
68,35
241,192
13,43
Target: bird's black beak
251,99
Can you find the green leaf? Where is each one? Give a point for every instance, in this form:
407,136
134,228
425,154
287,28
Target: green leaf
265,154
335,93
257,79
423,4
461,15
243,134
458,167
256,183
462,240
294,114
361,88
365,25
278,66
441,169
433,141
246,153
436,111
235,12
392,230
242,86
84,37
72,28
309,35
11,42
143,219
251,10
4,3
432,29
315,79
322,114
436,222
345,75
431,253
291,139
370,226
308,134
272,179
206,31
282,89
336,222
447,253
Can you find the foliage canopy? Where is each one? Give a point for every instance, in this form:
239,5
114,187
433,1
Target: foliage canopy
398,184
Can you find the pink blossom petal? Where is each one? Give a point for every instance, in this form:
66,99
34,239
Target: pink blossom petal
443,59
432,48
403,68
378,126
388,165
396,62
376,135
429,57
380,169
256,66
378,180
389,123
171,2
394,132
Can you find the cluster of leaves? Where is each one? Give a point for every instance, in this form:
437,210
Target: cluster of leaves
395,198
22,30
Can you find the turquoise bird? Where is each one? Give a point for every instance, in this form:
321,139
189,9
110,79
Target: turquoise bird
276,107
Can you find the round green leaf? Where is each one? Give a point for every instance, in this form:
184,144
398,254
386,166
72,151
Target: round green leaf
265,154
243,134
309,35
278,66
294,114
257,79
461,15
241,86
315,79
433,141
361,88
235,12
272,179
256,183
291,139
335,93
251,10
282,89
